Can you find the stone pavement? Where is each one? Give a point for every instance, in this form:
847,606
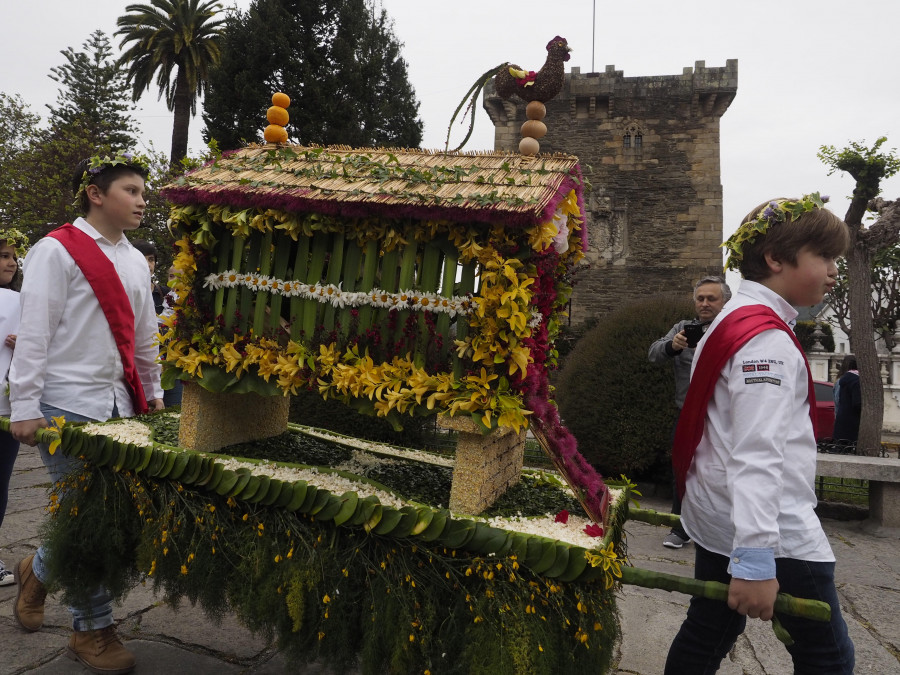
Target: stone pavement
169,641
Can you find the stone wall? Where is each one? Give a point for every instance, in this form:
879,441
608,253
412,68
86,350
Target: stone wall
649,147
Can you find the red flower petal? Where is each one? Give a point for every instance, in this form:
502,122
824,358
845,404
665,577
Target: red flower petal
594,530
562,517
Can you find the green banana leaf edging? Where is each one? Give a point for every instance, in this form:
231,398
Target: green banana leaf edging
543,555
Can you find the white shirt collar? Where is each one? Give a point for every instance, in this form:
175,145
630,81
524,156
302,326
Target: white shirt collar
767,296
92,232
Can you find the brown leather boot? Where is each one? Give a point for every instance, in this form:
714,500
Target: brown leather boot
29,607
100,651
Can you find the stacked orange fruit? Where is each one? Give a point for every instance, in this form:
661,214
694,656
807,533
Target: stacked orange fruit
277,116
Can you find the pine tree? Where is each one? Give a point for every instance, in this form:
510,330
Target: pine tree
338,60
18,126
18,129
94,94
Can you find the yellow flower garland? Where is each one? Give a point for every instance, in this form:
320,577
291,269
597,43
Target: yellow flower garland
499,324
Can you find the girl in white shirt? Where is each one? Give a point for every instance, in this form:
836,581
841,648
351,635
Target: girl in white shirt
12,246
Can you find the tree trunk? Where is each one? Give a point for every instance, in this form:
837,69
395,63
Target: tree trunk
182,118
862,340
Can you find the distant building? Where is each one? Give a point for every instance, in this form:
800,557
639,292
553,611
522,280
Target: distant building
649,146
824,365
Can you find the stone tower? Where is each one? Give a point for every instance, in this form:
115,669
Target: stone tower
649,146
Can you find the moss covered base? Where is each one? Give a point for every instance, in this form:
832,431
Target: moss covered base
321,590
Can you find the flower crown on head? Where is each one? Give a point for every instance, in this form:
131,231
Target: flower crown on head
14,237
98,163
777,211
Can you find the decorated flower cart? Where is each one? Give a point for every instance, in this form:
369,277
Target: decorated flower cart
400,283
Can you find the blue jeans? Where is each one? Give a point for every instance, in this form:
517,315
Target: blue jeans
711,627
97,613
172,397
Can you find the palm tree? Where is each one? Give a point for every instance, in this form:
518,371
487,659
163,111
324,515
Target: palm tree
172,37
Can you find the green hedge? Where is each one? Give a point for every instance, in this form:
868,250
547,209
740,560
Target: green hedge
804,331
618,405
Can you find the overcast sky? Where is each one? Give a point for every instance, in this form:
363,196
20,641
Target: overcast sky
809,72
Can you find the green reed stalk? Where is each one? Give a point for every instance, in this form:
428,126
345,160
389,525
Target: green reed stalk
406,282
466,285
714,590
429,277
370,271
237,257
263,297
301,263
223,248
353,257
451,260
320,245
283,245
389,272
335,272
252,265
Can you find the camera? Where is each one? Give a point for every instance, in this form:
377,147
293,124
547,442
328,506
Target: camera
694,331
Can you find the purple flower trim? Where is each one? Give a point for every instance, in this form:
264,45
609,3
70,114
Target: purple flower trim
298,200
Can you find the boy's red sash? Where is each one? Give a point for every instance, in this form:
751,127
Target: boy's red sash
731,334
107,286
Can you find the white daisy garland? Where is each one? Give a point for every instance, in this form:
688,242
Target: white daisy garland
339,298
407,299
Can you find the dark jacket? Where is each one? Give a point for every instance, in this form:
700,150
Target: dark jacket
848,408
661,351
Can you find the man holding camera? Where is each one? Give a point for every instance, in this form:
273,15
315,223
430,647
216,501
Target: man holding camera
710,295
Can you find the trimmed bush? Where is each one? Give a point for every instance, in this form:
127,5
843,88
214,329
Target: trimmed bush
804,331
618,405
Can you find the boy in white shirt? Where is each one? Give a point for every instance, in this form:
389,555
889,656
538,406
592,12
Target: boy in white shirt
745,453
86,350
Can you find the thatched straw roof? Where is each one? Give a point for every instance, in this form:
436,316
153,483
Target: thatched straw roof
352,182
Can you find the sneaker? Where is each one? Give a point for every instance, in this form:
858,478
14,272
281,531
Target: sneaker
29,606
7,578
100,651
672,540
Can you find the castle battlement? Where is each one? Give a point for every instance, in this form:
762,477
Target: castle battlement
712,89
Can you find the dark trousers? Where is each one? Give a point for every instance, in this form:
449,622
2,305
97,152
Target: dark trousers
9,450
676,502
676,509
711,627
